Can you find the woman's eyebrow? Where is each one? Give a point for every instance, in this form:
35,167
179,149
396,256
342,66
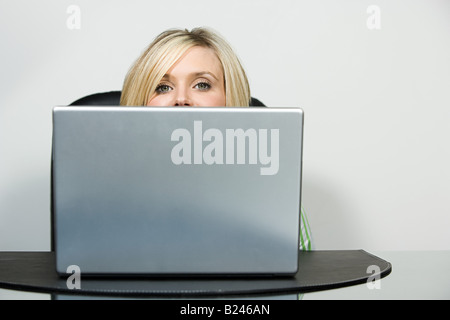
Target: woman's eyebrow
168,76
203,73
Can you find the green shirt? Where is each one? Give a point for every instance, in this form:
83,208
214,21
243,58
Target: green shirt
305,232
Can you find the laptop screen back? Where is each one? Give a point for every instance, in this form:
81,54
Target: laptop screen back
165,191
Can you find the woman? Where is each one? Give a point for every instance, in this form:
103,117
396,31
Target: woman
191,68
198,64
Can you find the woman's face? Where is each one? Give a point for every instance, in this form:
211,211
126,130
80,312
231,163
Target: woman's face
195,80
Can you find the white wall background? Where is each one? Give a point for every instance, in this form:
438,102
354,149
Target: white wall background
377,103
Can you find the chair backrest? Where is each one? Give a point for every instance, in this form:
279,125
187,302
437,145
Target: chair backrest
112,98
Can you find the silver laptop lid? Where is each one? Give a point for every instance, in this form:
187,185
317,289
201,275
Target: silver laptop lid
169,190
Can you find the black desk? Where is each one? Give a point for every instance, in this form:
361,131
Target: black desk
319,270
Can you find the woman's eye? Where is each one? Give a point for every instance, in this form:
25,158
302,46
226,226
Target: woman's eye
203,86
163,88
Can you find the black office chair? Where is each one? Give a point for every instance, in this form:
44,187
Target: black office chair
112,98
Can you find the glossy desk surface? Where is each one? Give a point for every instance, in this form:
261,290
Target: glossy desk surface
415,275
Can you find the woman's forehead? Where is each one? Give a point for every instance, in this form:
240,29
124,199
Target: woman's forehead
197,60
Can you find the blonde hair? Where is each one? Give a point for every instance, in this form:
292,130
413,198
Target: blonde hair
146,73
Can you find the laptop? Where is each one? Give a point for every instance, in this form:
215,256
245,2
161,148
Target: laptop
163,191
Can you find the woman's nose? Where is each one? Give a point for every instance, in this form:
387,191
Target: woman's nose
182,99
